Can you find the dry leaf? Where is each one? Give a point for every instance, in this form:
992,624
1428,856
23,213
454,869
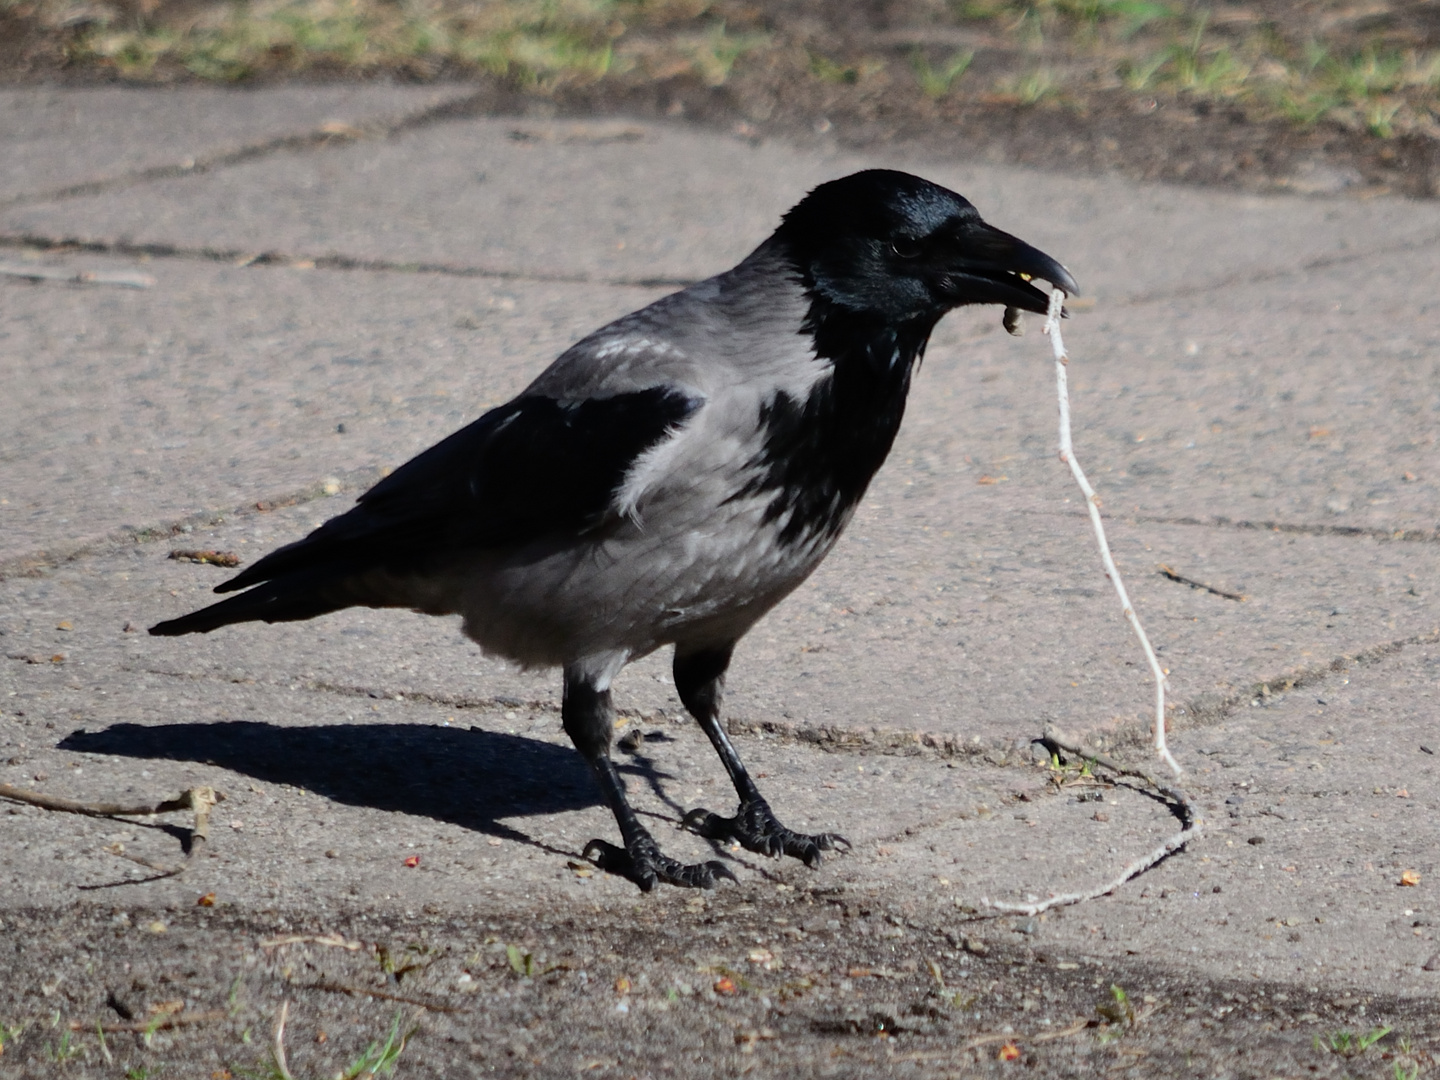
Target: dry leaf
1410,877
227,559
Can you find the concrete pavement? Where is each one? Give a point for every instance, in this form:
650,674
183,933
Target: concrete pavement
1255,395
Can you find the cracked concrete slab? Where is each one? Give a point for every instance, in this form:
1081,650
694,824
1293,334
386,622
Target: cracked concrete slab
1254,398
1303,403
969,624
965,603
52,139
222,386
1316,803
638,201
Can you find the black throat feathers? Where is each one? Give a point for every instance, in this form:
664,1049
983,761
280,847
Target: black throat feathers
820,453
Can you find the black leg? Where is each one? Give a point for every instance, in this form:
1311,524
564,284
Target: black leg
589,721
700,679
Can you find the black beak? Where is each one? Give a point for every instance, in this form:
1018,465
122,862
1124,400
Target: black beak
993,267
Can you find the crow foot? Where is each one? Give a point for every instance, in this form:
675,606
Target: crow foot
643,864
754,827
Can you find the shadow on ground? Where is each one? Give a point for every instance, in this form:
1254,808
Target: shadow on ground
468,777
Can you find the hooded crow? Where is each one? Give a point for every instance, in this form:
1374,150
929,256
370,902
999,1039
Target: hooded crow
669,479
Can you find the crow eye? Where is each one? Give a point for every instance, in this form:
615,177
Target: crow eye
905,247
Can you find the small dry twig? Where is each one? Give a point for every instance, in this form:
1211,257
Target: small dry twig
201,800
227,559
312,939
277,1045
153,1024
330,986
995,1037
124,278
1166,572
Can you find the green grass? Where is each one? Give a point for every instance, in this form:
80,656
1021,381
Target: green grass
1175,50
532,43
379,1059
10,1033
61,1052
1350,1044
1046,53
936,82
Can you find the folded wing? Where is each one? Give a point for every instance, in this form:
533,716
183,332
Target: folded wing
536,468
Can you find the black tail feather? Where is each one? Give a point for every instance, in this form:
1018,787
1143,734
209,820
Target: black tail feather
283,600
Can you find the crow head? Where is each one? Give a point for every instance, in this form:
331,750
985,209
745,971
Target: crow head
890,244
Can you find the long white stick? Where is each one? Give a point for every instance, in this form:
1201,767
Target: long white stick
1092,503
1145,862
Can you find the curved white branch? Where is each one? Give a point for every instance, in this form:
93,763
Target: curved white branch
1092,503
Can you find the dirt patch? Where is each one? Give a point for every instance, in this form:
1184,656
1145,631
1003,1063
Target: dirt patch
722,984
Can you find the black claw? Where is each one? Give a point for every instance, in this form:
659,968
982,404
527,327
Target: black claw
755,828
711,826
646,866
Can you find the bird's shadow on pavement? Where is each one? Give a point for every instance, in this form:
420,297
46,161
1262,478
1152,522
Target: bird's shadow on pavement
466,776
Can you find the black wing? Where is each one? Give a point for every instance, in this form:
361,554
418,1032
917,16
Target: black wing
534,468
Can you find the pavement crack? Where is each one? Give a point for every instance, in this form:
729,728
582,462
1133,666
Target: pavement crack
888,741
1221,521
1209,709
1310,266
326,136
244,259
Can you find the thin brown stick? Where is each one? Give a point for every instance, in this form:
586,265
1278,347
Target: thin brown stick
200,800
1073,1029
70,806
994,1037
1072,746
153,1024
362,991
312,939
1166,572
981,1040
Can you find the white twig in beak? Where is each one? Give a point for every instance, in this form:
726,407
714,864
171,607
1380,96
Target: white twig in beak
1092,503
